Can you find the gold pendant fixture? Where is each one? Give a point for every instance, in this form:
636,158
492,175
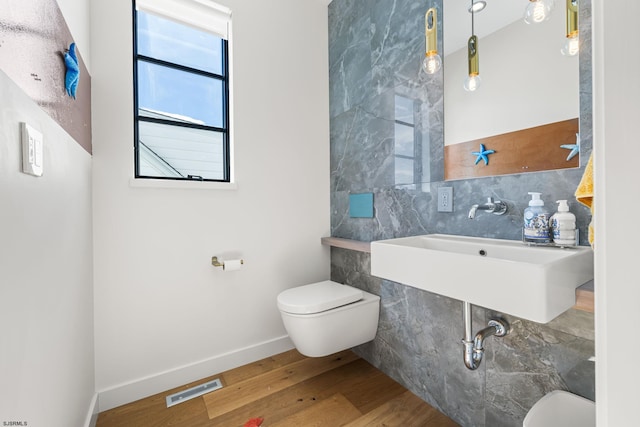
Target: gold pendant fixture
472,82
432,60
571,45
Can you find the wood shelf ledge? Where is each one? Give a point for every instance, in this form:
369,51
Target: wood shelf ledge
585,298
584,294
354,245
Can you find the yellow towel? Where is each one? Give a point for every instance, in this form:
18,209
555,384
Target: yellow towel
584,193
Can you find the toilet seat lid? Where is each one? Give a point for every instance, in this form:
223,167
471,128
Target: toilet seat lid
562,409
317,297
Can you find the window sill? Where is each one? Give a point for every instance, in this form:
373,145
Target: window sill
186,185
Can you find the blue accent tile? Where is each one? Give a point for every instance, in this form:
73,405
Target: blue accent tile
361,205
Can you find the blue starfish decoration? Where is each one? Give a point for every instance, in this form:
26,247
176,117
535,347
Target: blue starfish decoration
483,154
575,148
72,75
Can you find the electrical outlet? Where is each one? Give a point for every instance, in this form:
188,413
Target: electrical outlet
445,199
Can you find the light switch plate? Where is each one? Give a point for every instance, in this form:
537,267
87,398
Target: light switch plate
445,199
32,150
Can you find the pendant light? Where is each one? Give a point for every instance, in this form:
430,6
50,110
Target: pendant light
571,44
477,6
472,82
538,11
432,61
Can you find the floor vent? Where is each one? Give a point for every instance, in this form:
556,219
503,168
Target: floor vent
199,390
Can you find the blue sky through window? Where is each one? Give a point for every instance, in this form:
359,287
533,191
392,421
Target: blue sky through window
182,95
178,43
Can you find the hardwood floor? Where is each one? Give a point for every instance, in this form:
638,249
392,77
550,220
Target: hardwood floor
289,390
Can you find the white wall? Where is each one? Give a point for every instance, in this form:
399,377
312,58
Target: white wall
46,294
616,113
163,314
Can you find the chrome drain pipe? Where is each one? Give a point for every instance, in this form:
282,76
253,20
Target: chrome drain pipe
467,341
474,346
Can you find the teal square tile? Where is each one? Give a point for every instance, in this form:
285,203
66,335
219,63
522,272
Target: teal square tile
361,205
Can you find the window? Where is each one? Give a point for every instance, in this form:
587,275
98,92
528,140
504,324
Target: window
407,148
181,90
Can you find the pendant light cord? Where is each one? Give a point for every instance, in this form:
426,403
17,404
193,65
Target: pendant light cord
472,16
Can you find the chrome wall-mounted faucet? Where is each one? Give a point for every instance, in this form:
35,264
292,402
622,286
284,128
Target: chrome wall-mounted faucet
496,208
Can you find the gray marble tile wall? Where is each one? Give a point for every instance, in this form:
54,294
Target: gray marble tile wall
375,51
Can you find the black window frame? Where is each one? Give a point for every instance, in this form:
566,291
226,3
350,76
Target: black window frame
225,130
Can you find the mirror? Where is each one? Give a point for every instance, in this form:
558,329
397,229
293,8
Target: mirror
527,85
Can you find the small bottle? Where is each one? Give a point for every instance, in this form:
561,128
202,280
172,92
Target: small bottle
536,221
563,225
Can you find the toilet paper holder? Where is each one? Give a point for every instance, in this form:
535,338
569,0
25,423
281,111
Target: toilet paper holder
216,263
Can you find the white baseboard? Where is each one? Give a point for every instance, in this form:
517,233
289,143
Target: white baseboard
144,387
92,413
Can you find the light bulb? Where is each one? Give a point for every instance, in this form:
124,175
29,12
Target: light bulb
432,63
477,6
571,46
472,82
537,11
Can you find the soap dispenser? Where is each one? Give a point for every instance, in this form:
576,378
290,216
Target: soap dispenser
563,225
536,221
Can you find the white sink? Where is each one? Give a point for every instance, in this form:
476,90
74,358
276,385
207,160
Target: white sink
531,282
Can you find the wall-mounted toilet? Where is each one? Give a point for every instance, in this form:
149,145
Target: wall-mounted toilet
561,409
326,317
